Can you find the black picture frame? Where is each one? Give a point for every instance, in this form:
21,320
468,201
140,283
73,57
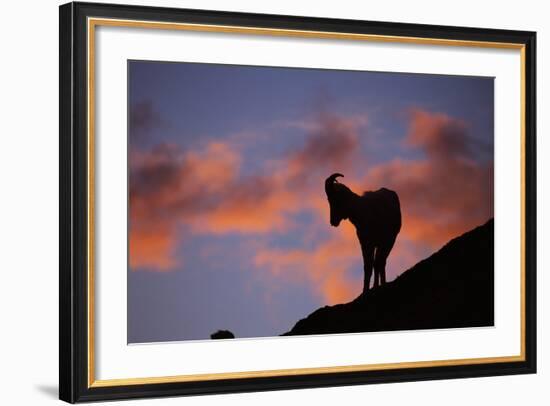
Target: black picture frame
74,385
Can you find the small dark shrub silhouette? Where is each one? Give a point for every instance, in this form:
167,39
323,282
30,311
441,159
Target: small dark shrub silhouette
222,334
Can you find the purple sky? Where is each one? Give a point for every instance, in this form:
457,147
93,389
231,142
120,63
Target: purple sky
228,219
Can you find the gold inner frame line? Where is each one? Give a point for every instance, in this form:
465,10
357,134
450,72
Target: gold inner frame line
92,23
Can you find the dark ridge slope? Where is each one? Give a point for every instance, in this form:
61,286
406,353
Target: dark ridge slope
452,288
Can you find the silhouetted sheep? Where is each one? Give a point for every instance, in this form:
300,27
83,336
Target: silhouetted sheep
377,219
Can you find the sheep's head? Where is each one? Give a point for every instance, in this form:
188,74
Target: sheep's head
337,195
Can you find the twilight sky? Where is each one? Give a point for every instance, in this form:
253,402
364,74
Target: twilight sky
229,223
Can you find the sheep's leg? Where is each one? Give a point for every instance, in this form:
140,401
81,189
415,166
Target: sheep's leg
377,270
377,274
382,253
368,262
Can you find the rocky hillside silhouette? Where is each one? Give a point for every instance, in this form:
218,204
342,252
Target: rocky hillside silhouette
452,288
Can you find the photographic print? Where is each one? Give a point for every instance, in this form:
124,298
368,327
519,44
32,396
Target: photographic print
274,201
261,202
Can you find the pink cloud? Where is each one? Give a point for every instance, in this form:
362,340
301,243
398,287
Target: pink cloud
175,194
446,193
204,190
324,267
443,194
166,186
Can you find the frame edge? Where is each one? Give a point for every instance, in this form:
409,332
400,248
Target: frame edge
67,367
530,202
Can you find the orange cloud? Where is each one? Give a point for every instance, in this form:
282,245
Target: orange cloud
175,194
204,190
337,288
439,135
166,186
443,194
324,266
152,247
446,193
253,205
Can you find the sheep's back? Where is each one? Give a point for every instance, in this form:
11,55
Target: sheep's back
382,210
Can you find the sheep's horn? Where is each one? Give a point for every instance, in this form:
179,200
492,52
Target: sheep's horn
330,181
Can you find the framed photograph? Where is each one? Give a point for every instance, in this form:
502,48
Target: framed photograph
256,202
